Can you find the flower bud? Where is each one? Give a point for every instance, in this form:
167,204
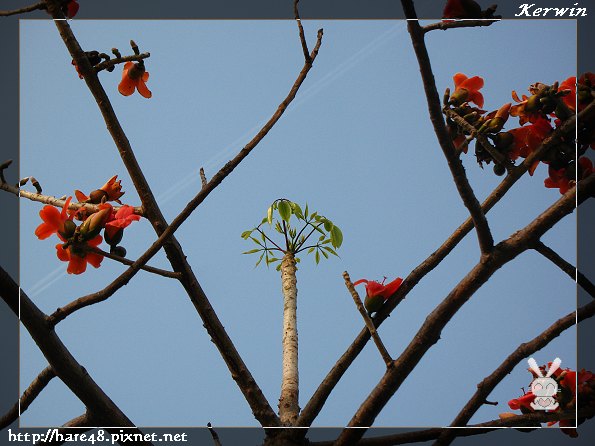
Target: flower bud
459,96
93,225
97,195
499,169
503,140
112,235
118,251
497,122
533,104
68,229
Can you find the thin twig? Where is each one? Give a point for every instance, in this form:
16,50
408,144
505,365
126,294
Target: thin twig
369,323
494,153
34,7
485,387
555,258
444,25
455,165
106,65
203,178
296,13
214,434
65,366
430,331
28,396
125,261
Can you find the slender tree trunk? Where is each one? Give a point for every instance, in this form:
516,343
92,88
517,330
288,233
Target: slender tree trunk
288,402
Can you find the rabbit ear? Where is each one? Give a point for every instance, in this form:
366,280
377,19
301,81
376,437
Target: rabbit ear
555,365
533,365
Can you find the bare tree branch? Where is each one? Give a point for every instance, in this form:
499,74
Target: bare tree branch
566,267
444,25
368,321
34,7
455,165
107,64
82,421
28,396
429,333
485,387
525,420
65,366
296,13
149,269
58,202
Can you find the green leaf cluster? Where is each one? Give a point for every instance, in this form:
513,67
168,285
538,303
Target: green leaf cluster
295,227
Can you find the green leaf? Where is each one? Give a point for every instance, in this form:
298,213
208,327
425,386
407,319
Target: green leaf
255,240
292,232
278,268
328,225
273,259
306,211
315,216
264,220
336,237
262,236
319,230
328,240
297,210
246,234
284,210
278,227
331,250
321,238
297,260
324,254
270,215
310,250
252,251
317,256
259,260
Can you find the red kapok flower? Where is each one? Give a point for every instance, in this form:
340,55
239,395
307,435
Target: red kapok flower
122,218
377,293
70,9
528,138
523,401
53,221
564,180
461,9
78,257
134,76
570,85
112,191
467,90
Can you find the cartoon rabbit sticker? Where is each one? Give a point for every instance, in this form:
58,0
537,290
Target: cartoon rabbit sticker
544,388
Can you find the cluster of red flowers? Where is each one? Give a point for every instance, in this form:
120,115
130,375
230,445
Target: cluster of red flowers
546,109
79,242
574,387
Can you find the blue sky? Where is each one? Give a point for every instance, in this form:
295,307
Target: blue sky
356,145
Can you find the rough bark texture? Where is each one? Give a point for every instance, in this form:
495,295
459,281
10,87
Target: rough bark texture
288,402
